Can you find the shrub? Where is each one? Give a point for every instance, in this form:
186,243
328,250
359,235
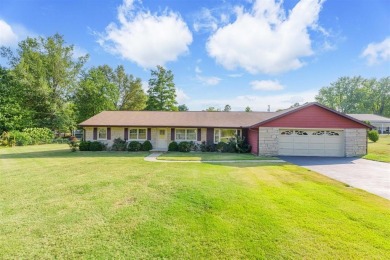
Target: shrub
96,146
173,147
373,135
194,146
134,146
19,138
230,147
84,145
207,147
184,147
219,147
39,135
147,146
73,143
242,146
119,145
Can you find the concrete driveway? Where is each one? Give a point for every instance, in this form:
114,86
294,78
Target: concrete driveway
371,176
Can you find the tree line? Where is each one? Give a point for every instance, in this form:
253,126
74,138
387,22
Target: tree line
45,86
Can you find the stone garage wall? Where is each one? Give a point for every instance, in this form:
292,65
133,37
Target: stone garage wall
355,142
268,141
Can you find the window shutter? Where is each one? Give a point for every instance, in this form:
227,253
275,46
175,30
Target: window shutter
172,134
149,134
199,133
95,133
109,133
126,134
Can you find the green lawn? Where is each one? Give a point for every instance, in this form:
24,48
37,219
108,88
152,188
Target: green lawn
104,205
199,156
379,151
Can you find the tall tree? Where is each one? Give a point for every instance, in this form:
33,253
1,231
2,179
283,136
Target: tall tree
162,91
357,95
248,109
131,94
183,108
13,112
48,73
96,93
227,108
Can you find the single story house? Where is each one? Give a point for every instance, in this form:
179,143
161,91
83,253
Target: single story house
381,123
308,130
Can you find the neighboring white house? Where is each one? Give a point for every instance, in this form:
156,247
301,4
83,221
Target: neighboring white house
381,123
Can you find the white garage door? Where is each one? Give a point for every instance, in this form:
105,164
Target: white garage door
303,142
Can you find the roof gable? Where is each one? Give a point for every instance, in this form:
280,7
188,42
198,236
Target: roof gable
313,115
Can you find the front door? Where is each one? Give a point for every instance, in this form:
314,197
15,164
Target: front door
162,142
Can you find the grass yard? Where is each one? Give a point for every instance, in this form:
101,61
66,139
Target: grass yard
199,156
379,151
59,204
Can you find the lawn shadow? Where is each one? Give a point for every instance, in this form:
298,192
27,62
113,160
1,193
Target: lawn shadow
246,164
61,153
314,160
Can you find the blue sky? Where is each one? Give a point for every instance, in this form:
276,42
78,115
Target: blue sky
243,53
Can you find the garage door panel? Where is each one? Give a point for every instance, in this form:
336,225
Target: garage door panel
311,142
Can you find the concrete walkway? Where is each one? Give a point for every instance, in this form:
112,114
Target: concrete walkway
367,175
153,158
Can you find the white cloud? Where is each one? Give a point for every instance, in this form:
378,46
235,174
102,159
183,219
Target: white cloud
7,36
146,38
181,96
198,70
212,80
265,39
205,21
376,53
255,102
266,85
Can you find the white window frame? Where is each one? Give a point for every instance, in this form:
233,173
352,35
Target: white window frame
186,134
138,139
98,133
217,139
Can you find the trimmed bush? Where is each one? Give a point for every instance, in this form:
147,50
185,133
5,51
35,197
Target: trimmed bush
219,147
84,145
147,146
119,145
96,146
207,147
134,146
242,146
173,147
373,135
184,147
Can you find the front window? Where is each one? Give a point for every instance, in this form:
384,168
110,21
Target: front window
137,134
185,134
224,135
102,133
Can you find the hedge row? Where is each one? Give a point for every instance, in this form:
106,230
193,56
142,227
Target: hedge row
28,136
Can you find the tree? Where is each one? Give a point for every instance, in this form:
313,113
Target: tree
357,95
248,109
48,74
131,94
212,109
13,112
96,93
227,108
182,108
162,91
